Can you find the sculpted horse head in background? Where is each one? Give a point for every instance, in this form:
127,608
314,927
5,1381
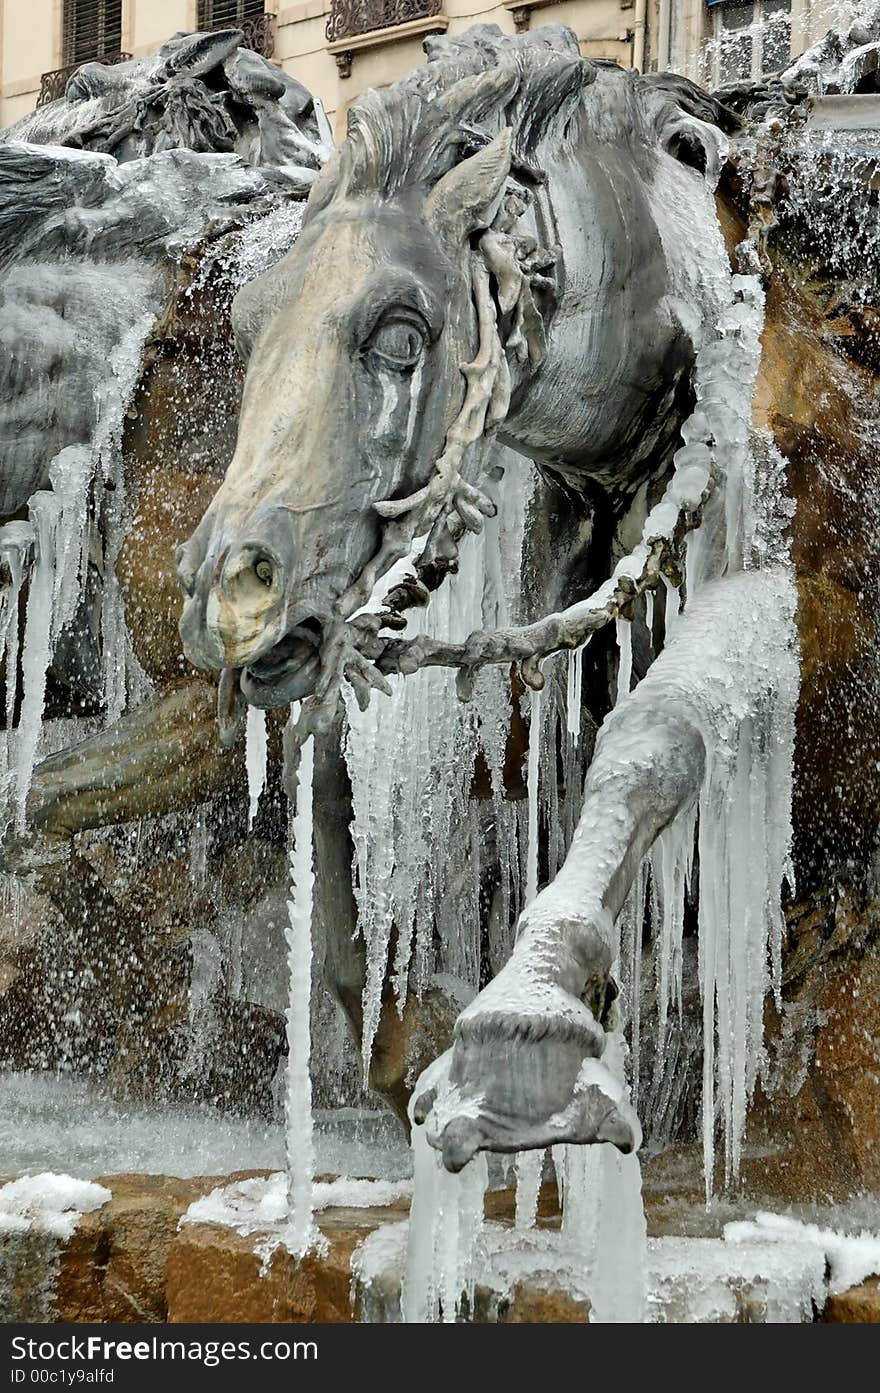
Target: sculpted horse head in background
497,245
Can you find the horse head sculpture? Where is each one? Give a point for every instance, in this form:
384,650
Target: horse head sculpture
491,250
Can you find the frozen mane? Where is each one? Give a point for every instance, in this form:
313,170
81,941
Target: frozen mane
409,135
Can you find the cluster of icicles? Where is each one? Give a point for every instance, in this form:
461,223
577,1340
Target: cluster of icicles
80,517
417,853
421,842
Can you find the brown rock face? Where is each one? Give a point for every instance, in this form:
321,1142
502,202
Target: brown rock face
141,1224
178,443
858,1306
215,1275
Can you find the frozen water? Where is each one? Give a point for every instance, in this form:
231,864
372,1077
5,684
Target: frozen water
256,747
529,1171
48,1203
417,838
708,1281
769,1271
603,1217
301,1233
44,511
532,786
624,658
848,1258
253,1206
446,1218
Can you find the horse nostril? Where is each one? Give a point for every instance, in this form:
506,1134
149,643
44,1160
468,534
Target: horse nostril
252,577
265,570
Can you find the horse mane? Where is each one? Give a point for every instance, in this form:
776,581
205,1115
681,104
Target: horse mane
408,135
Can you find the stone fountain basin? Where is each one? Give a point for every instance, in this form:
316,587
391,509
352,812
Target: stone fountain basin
132,1260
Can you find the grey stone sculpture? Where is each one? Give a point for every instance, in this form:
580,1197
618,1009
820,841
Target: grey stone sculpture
510,242
200,92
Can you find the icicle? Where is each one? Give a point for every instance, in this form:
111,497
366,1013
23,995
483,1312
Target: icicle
125,365
256,744
533,779
416,849
44,509
559,1154
604,1219
624,665
649,616
574,691
71,475
673,606
529,1172
619,1287
629,966
301,1234
671,859
445,1220
16,546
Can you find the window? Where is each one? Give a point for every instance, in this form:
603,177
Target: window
92,29
751,38
223,14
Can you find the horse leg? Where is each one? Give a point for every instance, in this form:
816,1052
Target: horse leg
164,756
521,1045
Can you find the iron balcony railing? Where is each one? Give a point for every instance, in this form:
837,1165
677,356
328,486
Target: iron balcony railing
52,84
259,35
348,18
258,30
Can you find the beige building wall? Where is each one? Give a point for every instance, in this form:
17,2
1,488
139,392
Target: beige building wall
339,72
31,41
31,45
674,32
148,23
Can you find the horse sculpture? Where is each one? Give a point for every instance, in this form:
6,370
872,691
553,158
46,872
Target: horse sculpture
516,244
513,241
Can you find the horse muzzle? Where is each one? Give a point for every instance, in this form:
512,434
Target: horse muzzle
245,609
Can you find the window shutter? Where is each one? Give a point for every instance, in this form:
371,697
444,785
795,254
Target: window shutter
220,14
92,28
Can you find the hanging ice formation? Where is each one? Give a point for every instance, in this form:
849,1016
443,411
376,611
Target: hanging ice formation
301,1233
603,1218
744,808
256,746
51,551
445,1221
743,812
419,846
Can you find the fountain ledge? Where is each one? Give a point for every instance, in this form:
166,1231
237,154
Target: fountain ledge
133,1260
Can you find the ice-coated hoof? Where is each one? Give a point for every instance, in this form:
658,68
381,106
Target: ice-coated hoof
462,1138
514,1082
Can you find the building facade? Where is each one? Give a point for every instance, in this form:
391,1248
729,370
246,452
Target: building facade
337,48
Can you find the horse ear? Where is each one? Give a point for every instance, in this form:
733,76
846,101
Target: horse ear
469,196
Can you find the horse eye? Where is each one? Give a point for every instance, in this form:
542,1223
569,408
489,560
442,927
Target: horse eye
399,342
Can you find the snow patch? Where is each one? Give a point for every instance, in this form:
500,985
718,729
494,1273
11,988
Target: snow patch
48,1203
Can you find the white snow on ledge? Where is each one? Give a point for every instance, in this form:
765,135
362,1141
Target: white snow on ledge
252,1206
48,1203
849,1257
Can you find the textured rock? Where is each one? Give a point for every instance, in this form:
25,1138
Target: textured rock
858,1306
214,1274
140,1224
